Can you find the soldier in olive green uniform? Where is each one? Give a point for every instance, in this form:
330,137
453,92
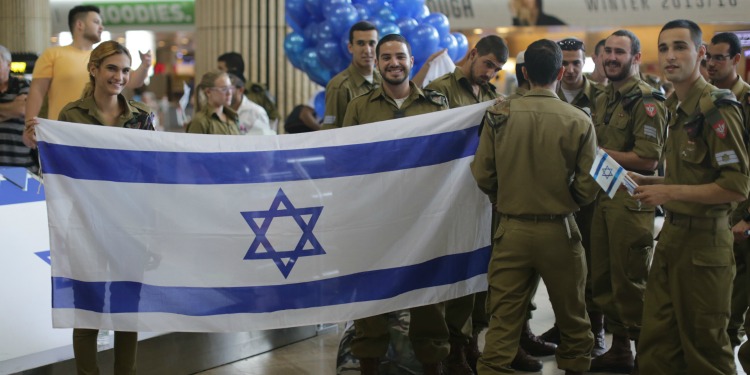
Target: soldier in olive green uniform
467,85
358,79
578,90
722,58
687,301
260,95
532,161
213,114
396,98
630,120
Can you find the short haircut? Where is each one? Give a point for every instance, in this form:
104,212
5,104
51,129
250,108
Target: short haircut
599,46
729,38
5,54
495,45
696,34
360,26
635,43
234,62
79,13
543,60
391,38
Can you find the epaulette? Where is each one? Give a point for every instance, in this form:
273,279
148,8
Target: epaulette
144,121
141,107
650,98
435,97
497,115
708,105
630,99
257,87
585,110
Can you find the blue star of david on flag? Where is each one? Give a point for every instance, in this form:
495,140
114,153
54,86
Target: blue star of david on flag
607,172
261,231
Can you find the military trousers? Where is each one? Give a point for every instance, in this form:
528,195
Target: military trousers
738,324
523,249
428,334
584,219
688,299
85,351
622,242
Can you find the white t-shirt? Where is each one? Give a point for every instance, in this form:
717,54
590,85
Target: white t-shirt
253,119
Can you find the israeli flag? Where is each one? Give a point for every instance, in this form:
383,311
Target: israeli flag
608,173
154,231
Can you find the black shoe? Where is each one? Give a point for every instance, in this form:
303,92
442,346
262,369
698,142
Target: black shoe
533,345
525,362
552,335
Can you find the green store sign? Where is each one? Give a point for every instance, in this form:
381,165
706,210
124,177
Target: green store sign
144,13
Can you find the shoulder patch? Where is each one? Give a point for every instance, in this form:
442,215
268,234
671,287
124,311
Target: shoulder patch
497,114
435,97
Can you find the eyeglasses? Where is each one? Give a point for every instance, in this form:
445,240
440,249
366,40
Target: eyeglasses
717,58
222,89
570,44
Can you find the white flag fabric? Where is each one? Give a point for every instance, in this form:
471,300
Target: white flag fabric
607,172
154,231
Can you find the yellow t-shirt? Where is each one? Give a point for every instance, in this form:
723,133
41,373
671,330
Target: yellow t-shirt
66,67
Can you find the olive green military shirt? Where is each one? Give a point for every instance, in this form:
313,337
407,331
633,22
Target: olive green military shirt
84,111
741,91
341,89
587,97
208,122
377,106
705,149
457,88
631,119
520,91
534,156
260,96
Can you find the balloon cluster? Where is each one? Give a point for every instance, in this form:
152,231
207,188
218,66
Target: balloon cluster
319,42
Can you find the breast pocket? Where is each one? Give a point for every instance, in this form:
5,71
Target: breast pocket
693,152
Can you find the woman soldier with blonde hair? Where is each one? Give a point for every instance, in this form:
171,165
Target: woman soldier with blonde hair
213,114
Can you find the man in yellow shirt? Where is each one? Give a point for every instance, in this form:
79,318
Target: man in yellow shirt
60,72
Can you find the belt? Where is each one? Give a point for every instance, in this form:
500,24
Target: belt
695,222
537,217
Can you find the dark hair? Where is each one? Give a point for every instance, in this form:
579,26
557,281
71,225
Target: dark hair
729,38
495,45
599,46
80,12
360,26
391,38
695,31
234,62
635,43
543,60
571,44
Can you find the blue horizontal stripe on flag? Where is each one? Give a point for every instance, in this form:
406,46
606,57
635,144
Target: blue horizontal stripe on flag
131,297
256,167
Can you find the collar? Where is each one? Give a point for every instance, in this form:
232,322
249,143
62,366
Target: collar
229,112
88,103
688,104
414,93
738,88
541,92
463,80
359,79
629,85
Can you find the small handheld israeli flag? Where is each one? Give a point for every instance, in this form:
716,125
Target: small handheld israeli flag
609,174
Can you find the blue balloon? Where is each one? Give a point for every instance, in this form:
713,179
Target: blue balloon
344,46
330,5
376,21
406,25
439,21
450,43
388,28
407,8
463,46
386,14
364,13
314,9
425,41
325,31
294,46
343,17
296,12
314,69
311,33
373,5
422,13
320,103
329,53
